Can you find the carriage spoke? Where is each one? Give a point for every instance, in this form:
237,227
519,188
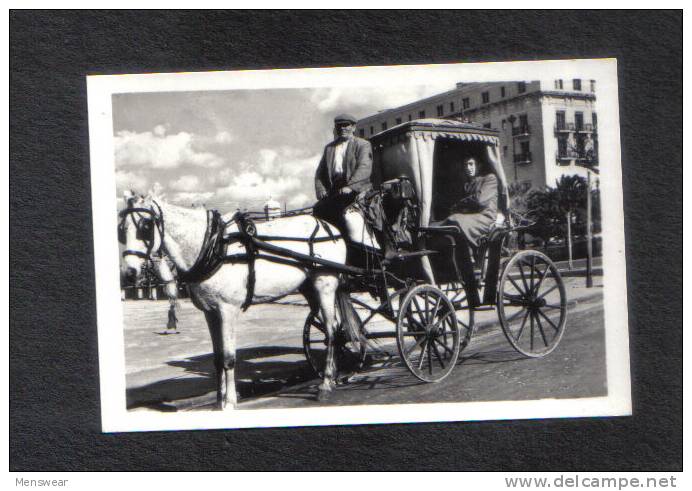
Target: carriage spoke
445,347
532,331
540,328
523,324
544,274
419,311
430,359
556,285
442,319
422,354
549,321
435,309
515,315
437,355
523,277
521,292
533,270
412,349
549,305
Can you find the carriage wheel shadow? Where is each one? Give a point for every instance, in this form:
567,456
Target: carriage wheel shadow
257,374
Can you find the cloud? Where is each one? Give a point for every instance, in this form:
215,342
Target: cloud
223,137
158,150
125,180
185,198
300,201
254,187
363,99
185,183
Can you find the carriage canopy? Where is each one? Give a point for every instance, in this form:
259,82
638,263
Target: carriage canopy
430,153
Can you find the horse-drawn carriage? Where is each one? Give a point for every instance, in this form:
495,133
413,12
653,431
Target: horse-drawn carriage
435,319
430,288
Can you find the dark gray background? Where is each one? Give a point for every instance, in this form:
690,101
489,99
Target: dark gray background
54,386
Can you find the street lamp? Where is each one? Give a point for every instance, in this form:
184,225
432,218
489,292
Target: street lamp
512,118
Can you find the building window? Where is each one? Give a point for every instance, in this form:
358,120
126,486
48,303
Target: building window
579,120
372,130
451,107
594,120
384,126
502,92
576,84
593,86
560,120
562,147
486,97
487,125
525,151
421,114
440,110
361,132
558,84
465,103
398,120
521,87
504,151
409,117
523,123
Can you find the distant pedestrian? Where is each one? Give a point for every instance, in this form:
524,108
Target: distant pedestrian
172,317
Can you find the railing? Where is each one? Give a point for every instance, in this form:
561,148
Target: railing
564,158
564,127
521,130
585,128
522,158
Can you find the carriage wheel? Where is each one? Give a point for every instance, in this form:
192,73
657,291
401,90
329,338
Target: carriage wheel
427,333
349,355
532,305
456,292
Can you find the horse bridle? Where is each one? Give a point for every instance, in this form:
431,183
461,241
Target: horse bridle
145,229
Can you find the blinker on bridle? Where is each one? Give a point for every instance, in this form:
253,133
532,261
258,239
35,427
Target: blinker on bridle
145,229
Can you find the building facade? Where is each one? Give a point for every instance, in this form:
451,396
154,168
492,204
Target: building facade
547,128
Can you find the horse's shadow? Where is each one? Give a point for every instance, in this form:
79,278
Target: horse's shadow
257,374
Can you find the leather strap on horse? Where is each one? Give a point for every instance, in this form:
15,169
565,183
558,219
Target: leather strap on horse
211,256
247,231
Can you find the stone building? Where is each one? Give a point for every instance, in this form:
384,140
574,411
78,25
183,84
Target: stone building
547,127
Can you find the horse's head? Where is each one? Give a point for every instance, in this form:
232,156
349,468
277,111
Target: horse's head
140,230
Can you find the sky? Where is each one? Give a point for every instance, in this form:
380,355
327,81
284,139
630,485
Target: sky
236,149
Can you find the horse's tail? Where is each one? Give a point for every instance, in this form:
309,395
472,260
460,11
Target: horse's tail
349,317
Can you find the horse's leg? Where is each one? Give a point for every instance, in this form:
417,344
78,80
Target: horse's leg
214,324
325,285
229,315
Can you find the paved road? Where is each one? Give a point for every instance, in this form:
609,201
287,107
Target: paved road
174,372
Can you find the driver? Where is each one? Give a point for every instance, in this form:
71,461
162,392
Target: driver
343,172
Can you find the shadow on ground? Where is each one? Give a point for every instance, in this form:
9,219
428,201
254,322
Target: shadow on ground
258,374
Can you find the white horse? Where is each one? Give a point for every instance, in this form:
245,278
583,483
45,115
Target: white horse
150,224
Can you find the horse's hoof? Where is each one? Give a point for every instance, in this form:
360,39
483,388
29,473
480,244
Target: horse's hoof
323,395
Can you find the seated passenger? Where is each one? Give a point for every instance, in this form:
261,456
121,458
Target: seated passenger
476,212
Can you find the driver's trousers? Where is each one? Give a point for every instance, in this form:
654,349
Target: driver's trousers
331,208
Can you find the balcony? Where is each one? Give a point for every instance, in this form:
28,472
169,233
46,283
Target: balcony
522,158
564,127
585,128
580,158
521,130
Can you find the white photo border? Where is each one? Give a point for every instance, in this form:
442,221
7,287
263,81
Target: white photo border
114,414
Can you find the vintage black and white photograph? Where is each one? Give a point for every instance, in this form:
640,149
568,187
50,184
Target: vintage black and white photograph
359,245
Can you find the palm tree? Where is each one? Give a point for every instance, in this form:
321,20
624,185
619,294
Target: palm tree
571,195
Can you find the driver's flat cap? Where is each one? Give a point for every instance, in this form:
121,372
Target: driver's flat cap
345,118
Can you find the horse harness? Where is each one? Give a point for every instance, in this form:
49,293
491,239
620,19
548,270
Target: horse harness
215,244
